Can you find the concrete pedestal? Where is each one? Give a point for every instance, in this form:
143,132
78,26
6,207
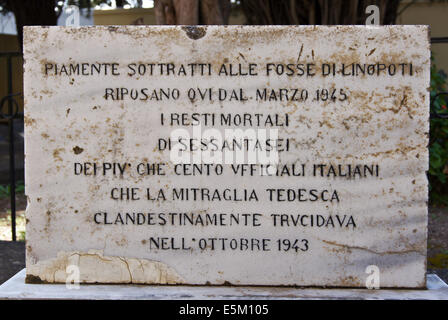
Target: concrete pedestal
16,288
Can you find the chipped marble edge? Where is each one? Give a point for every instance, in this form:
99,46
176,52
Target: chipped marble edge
94,267
16,288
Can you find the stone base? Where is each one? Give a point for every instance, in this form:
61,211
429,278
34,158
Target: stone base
16,288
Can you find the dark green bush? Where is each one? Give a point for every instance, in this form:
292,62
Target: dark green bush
5,190
438,141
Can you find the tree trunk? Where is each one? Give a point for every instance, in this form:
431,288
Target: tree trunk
192,12
120,3
33,13
326,12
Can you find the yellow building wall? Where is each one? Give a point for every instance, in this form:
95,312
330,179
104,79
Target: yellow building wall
120,17
144,16
436,16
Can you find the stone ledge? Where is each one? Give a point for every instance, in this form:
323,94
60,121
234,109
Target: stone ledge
16,288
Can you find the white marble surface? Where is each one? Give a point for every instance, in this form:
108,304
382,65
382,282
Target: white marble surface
377,119
16,288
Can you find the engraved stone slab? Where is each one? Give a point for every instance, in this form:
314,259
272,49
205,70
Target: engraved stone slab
214,155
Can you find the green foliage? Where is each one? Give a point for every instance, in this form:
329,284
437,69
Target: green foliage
5,190
21,235
438,143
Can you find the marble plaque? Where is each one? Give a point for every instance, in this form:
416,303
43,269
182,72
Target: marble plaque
265,155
